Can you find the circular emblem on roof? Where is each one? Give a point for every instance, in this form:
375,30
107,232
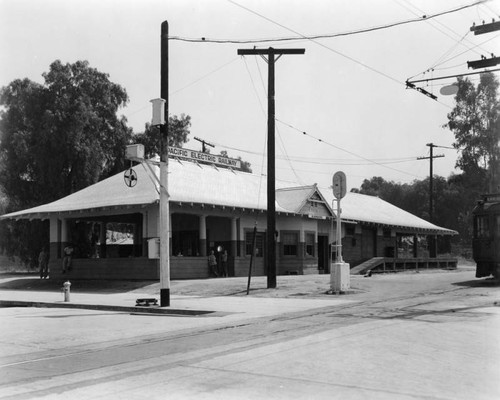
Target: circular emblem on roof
130,177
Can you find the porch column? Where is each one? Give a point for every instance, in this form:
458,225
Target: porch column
54,240
234,237
203,236
170,250
302,243
415,246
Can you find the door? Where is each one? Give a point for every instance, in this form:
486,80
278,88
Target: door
323,263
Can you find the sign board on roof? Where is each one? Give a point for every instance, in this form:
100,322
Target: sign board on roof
192,155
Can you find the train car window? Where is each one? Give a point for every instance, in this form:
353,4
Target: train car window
482,226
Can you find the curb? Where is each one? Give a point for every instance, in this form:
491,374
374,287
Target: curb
125,309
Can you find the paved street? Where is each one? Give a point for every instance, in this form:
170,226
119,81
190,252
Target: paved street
432,335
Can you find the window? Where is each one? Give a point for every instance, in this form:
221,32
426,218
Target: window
290,243
259,243
482,226
350,229
310,244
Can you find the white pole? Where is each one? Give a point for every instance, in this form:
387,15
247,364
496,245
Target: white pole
339,234
164,236
159,113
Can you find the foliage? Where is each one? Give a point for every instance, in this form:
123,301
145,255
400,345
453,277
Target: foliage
475,123
454,199
245,165
56,138
178,131
62,136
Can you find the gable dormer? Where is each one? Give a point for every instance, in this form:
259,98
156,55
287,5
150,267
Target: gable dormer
306,200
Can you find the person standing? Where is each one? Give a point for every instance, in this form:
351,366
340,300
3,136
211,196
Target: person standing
67,259
43,263
224,263
212,264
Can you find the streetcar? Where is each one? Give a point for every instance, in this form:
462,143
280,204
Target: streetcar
486,236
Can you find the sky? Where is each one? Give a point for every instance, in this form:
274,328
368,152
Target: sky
341,106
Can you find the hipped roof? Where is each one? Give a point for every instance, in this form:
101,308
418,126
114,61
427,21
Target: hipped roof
205,184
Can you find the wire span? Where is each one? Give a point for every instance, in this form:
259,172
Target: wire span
319,36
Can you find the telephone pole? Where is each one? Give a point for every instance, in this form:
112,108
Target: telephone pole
431,189
432,241
204,144
164,198
271,54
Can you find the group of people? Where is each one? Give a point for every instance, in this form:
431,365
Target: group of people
43,261
215,269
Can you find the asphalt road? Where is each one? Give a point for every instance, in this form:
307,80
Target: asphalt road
433,335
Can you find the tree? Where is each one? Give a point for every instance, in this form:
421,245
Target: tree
454,198
61,136
475,123
178,131
56,138
245,165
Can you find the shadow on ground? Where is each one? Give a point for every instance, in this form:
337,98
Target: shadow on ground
487,282
87,286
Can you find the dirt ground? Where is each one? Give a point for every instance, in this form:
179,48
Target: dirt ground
298,286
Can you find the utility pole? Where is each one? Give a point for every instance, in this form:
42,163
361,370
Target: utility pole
271,54
432,241
204,144
164,201
431,173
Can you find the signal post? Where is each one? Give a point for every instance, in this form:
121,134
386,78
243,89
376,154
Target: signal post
340,273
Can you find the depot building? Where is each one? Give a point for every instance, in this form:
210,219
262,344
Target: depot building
113,225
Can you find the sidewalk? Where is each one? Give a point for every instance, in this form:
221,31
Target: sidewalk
213,297
196,298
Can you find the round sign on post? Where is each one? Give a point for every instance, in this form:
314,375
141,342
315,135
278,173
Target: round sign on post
339,185
130,177
449,90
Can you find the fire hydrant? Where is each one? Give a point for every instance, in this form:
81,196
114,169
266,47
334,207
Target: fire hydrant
66,290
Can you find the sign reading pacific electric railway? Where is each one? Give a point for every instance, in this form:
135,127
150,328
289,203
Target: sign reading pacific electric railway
192,155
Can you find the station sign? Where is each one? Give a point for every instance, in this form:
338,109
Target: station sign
192,155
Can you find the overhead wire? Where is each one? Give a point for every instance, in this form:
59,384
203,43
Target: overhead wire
203,77
463,38
317,36
322,161
266,138
344,150
437,22
277,130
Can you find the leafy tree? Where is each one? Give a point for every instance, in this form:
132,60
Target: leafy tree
56,138
178,131
454,198
61,136
245,165
475,123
